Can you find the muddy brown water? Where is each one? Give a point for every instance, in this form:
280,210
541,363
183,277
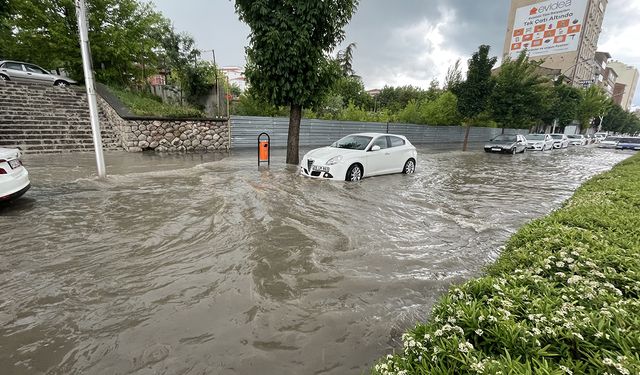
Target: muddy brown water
201,264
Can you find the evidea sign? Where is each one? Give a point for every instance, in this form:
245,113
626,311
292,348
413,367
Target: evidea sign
548,27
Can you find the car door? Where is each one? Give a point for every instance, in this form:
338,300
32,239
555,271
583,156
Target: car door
399,154
14,71
37,74
377,161
521,143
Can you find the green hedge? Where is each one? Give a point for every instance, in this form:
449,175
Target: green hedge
150,105
563,298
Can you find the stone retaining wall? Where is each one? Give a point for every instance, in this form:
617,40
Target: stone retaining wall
166,135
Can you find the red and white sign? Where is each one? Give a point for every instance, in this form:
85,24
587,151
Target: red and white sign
548,27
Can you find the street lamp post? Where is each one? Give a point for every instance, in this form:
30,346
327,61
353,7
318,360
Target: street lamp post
81,14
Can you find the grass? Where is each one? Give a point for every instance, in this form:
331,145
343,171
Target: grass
150,105
563,298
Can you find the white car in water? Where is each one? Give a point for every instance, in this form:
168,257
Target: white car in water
560,141
539,142
14,178
357,156
577,140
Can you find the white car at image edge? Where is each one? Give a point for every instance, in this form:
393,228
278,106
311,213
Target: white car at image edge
357,156
14,178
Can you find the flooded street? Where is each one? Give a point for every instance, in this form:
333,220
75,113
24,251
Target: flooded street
200,264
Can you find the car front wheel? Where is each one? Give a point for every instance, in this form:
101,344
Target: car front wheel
354,173
3,77
409,167
61,83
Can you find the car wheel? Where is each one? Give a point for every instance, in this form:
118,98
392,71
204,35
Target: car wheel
524,150
61,83
3,77
409,167
354,173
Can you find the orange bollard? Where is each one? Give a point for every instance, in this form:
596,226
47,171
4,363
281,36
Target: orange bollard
264,150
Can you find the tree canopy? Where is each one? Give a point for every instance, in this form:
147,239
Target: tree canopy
288,59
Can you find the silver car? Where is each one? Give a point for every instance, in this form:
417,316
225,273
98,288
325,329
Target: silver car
24,72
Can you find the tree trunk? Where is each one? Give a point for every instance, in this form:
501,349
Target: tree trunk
466,137
295,115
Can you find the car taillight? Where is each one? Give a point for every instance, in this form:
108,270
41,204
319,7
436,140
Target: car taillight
2,171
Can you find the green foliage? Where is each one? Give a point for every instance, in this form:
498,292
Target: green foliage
474,93
620,121
594,103
561,103
150,105
443,110
353,113
287,57
250,104
122,34
351,89
563,298
518,94
395,99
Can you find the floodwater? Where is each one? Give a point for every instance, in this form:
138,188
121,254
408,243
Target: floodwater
201,264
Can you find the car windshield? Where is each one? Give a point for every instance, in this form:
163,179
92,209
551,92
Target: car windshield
353,142
505,138
535,137
573,136
556,136
612,139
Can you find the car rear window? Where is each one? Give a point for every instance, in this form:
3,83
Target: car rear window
397,142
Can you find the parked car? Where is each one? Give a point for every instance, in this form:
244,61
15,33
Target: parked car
507,143
539,142
590,139
600,136
560,140
14,178
609,142
25,72
631,143
357,156
577,140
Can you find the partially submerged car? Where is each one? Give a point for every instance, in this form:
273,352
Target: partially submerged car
630,143
539,142
512,144
577,140
14,178
560,140
357,156
29,73
609,142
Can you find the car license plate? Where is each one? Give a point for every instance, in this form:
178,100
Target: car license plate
14,163
318,168
496,149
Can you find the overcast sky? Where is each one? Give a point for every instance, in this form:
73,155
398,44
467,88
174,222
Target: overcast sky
405,41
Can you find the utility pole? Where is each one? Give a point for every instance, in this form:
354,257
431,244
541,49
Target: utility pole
81,14
213,51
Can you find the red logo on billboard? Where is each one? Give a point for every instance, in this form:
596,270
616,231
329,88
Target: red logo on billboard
533,11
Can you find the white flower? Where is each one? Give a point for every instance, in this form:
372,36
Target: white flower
566,369
465,347
559,264
479,332
607,361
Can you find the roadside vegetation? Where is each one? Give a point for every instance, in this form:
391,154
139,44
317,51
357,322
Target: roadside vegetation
563,298
150,105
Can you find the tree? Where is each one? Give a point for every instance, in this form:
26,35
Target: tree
397,98
474,93
563,101
345,59
287,57
594,103
518,94
453,77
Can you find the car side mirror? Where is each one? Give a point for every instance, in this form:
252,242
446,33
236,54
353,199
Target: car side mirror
375,148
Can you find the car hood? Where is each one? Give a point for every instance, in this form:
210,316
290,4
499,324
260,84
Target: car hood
9,153
326,153
500,144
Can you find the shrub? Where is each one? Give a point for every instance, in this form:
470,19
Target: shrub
563,298
149,105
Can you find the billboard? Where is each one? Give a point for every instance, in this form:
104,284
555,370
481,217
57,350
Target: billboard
548,27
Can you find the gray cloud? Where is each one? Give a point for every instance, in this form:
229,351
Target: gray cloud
404,41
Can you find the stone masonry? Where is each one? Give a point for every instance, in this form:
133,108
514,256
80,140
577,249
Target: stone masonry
167,135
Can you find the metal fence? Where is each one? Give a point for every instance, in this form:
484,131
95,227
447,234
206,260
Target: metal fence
245,130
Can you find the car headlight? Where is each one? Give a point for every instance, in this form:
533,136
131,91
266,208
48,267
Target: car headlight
335,160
